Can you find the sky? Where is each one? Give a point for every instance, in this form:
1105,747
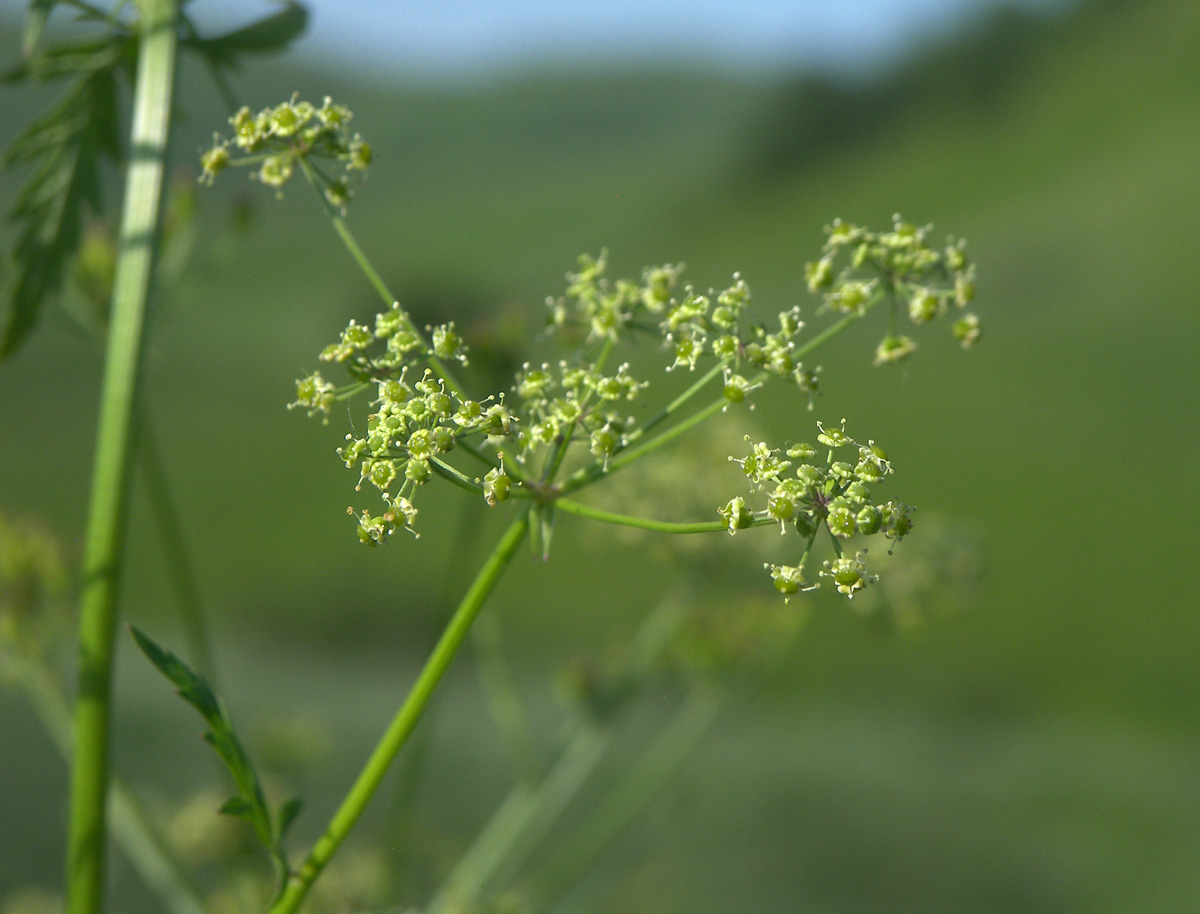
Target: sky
471,39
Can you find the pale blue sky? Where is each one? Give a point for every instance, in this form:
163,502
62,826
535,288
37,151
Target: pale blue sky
470,38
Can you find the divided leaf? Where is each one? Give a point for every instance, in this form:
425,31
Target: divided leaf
271,33
249,802
67,145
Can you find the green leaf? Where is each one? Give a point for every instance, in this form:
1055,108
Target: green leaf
191,685
35,24
65,59
66,145
287,814
250,802
236,806
271,33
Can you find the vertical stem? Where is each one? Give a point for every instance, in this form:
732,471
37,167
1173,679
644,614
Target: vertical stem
110,475
405,720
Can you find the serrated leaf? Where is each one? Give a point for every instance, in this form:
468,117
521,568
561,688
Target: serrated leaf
190,684
65,59
271,33
66,144
250,802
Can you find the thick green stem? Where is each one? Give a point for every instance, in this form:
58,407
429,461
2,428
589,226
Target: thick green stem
110,475
405,720
132,829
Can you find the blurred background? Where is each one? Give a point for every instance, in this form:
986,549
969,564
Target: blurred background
1017,732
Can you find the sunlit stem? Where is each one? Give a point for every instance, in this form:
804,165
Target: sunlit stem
373,277
105,544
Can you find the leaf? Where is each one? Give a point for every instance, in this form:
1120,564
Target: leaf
271,33
65,59
191,685
236,806
287,814
250,802
35,24
67,145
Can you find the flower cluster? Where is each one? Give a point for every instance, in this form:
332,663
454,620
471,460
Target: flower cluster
415,425
692,326
902,266
835,495
277,139
561,424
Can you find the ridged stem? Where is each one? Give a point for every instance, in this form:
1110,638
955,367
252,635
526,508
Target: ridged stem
105,546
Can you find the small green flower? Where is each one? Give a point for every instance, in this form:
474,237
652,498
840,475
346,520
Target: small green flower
418,471
819,275
447,344
496,486
833,437
315,393
869,519
736,515
359,157
213,162
276,170
736,387
381,473
967,331
402,509
840,519
849,575
850,297
374,530
789,579
894,349
923,306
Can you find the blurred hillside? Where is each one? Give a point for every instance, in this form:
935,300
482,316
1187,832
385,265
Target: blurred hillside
1035,751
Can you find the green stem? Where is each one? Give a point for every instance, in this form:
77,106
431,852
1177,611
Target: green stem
589,474
376,281
643,523
529,811
405,720
834,329
453,475
104,547
132,830
559,453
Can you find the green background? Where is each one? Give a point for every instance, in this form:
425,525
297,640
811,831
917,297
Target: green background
1035,749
